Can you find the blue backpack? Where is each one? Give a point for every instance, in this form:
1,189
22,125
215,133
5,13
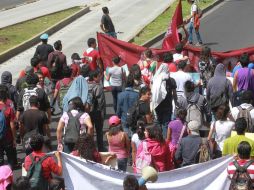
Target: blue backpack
3,126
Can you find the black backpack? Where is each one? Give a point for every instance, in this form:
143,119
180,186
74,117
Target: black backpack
241,179
72,131
132,115
35,174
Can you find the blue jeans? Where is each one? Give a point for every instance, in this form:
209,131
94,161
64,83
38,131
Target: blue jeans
122,164
68,147
163,119
191,27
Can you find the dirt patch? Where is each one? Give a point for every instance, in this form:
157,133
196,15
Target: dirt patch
4,40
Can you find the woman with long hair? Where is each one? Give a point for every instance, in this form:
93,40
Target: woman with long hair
77,110
220,130
157,147
176,131
118,142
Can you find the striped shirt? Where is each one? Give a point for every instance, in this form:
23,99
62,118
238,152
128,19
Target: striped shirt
231,168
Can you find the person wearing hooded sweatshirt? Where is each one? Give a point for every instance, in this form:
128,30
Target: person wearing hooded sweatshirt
163,91
219,89
157,147
6,79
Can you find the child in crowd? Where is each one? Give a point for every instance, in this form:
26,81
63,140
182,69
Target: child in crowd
118,142
136,140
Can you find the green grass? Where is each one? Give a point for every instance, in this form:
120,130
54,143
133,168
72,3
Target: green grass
14,35
160,24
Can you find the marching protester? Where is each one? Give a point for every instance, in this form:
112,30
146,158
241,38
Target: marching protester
231,143
46,162
44,49
194,23
148,65
33,121
6,177
8,131
6,79
168,59
97,105
219,89
245,110
62,86
107,25
137,75
163,93
118,142
220,130
180,78
125,101
91,56
56,63
74,122
32,89
243,79
76,65
21,82
195,104
176,131
178,55
206,66
156,146
117,77
136,139
189,145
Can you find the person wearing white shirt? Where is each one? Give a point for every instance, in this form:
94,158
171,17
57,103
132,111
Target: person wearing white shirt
181,77
247,100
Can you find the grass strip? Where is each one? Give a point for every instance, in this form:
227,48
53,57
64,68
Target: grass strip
14,35
160,24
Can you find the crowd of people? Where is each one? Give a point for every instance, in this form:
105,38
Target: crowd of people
160,112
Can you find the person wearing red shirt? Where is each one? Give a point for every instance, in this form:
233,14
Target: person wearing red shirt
243,157
49,165
8,140
91,56
36,64
168,59
75,66
66,81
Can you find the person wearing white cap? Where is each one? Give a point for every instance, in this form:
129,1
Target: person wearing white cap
44,49
189,146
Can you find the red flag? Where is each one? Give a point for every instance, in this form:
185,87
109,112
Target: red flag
172,37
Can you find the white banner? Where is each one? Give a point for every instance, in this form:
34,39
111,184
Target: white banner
80,174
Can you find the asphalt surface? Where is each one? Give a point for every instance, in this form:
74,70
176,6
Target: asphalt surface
228,26
11,3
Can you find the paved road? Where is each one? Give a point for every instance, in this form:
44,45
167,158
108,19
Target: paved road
228,26
11,3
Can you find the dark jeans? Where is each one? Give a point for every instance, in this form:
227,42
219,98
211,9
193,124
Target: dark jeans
122,164
68,147
10,152
115,91
97,121
163,118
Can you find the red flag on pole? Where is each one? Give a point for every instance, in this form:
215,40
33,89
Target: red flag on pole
171,37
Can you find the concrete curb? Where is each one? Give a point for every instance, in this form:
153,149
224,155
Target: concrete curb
36,39
159,37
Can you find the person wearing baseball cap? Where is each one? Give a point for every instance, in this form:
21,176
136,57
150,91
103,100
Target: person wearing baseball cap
118,142
189,145
44,49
